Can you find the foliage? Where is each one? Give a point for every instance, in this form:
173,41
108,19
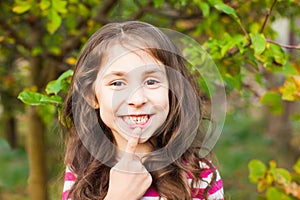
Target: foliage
273,182
52,89
50,99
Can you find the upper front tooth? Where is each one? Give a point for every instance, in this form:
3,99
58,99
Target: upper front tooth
139,119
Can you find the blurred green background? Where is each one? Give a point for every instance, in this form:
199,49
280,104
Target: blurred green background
255,45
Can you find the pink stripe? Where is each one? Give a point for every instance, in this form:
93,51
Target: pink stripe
65,195
189,175
216,187
70,176
151,192
205,173
198,192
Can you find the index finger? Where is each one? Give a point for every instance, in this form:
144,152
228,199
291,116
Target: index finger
133,141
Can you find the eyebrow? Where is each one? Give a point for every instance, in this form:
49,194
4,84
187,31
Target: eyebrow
122,73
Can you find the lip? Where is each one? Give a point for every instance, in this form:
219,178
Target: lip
133,126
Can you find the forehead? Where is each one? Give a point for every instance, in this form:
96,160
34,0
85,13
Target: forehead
120,58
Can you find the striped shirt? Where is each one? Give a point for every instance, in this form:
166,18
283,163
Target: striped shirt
214,193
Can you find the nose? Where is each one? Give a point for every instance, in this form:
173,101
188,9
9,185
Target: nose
137,97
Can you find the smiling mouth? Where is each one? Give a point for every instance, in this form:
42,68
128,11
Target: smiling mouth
136,119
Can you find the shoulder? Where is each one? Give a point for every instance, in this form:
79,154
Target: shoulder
210,178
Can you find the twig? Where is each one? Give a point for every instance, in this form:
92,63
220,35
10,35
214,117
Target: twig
267,16
297,47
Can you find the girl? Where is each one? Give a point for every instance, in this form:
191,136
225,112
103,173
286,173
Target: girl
132,115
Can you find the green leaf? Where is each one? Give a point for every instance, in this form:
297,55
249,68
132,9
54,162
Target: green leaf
275,194
37,99
60,6
54,87
45,4
257,169
282,176
258,42
22,7
52,99
290,89
204,8
31,98
54,21
226,9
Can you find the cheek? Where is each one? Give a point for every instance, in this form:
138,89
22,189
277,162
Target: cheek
108,105
105,106
162,103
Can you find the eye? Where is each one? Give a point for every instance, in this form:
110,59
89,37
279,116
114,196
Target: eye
117,84
152,83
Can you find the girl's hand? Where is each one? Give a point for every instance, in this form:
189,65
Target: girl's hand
129,179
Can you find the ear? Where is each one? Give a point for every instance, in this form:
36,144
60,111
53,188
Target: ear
92,101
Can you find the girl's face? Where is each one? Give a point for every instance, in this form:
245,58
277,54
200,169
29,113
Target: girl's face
132,91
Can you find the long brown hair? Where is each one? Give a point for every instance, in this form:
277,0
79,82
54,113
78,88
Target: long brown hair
175,136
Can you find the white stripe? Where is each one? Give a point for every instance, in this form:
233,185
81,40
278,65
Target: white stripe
68,185
216,196
203,183
150,198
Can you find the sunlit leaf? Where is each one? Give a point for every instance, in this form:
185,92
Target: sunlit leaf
36,99
31,98
257,169
282,176
258,42
291,89
226,9
59,6
54,21
22,7
204,8
54,87
275,194
45,4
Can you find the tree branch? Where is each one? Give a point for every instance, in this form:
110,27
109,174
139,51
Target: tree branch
297,47
267,16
